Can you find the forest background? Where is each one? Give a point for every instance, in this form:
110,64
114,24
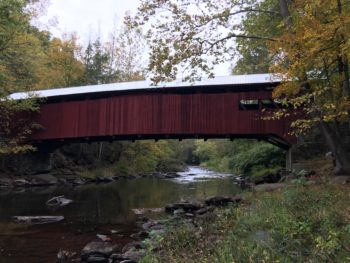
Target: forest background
31,59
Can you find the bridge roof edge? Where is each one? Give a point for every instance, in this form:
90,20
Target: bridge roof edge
234,80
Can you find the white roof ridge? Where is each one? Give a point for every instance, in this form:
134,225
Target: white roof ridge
147,84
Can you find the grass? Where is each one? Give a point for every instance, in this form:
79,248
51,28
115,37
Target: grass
259,172
298,224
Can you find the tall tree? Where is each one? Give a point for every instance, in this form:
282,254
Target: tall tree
19,48
96,61
126,48
309,48
254,55
312,57
29,59
59,66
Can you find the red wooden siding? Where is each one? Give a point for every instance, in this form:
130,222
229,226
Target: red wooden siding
203,114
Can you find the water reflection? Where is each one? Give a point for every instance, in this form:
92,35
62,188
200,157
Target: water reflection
112,203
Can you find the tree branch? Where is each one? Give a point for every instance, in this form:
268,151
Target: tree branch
229,36
237,13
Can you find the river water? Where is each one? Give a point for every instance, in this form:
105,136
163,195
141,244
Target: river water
97,209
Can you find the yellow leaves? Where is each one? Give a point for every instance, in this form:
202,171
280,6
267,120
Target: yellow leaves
59,67
309,55
286,89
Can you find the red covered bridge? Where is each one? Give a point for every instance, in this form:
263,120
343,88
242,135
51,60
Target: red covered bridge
224,107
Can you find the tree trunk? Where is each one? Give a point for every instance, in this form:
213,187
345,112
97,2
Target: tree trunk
335,144
330,134
284,10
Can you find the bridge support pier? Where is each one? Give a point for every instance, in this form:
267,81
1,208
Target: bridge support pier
289,159
36,162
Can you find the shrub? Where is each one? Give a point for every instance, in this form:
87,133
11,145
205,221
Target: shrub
298,224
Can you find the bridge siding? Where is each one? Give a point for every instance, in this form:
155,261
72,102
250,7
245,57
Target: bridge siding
156,114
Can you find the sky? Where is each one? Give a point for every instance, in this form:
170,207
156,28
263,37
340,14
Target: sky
86,17
92,18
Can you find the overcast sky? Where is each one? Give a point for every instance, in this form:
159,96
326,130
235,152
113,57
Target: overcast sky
88,18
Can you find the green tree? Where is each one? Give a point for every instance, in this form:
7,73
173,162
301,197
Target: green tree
29,59
59,66
309,50
126,48
96,61
194,36
312,58
254,55
19,49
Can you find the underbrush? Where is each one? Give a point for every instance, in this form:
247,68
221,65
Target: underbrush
260,171
299,224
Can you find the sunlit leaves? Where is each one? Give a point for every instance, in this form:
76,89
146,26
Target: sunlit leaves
312,60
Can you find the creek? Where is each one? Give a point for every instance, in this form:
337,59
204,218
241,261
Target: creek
96,209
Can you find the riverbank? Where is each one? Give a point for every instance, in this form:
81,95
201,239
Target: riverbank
45,180
300,223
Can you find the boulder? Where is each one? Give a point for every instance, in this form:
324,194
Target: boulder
99,249
152,225
97,259
223,200
140,235
179,212
78,181
4,182
187,207
133,255
104,179
133,245
58,201
205,210
269,178
37,220
189,215
171,175
21,183
45,179
116,256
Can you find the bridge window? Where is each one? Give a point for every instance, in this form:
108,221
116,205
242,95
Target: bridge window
258,104
249,105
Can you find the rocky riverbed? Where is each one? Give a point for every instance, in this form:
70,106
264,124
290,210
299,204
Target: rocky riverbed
185,212
43,180
124,210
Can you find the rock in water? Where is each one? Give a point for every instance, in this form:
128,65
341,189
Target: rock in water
99,249
187,206
133,255
59,201
104,238
36,220
97,259
133,245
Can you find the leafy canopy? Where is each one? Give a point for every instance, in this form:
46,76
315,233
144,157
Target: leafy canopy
312,58
192,35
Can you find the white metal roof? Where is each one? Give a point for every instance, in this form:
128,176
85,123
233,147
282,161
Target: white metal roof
141,85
